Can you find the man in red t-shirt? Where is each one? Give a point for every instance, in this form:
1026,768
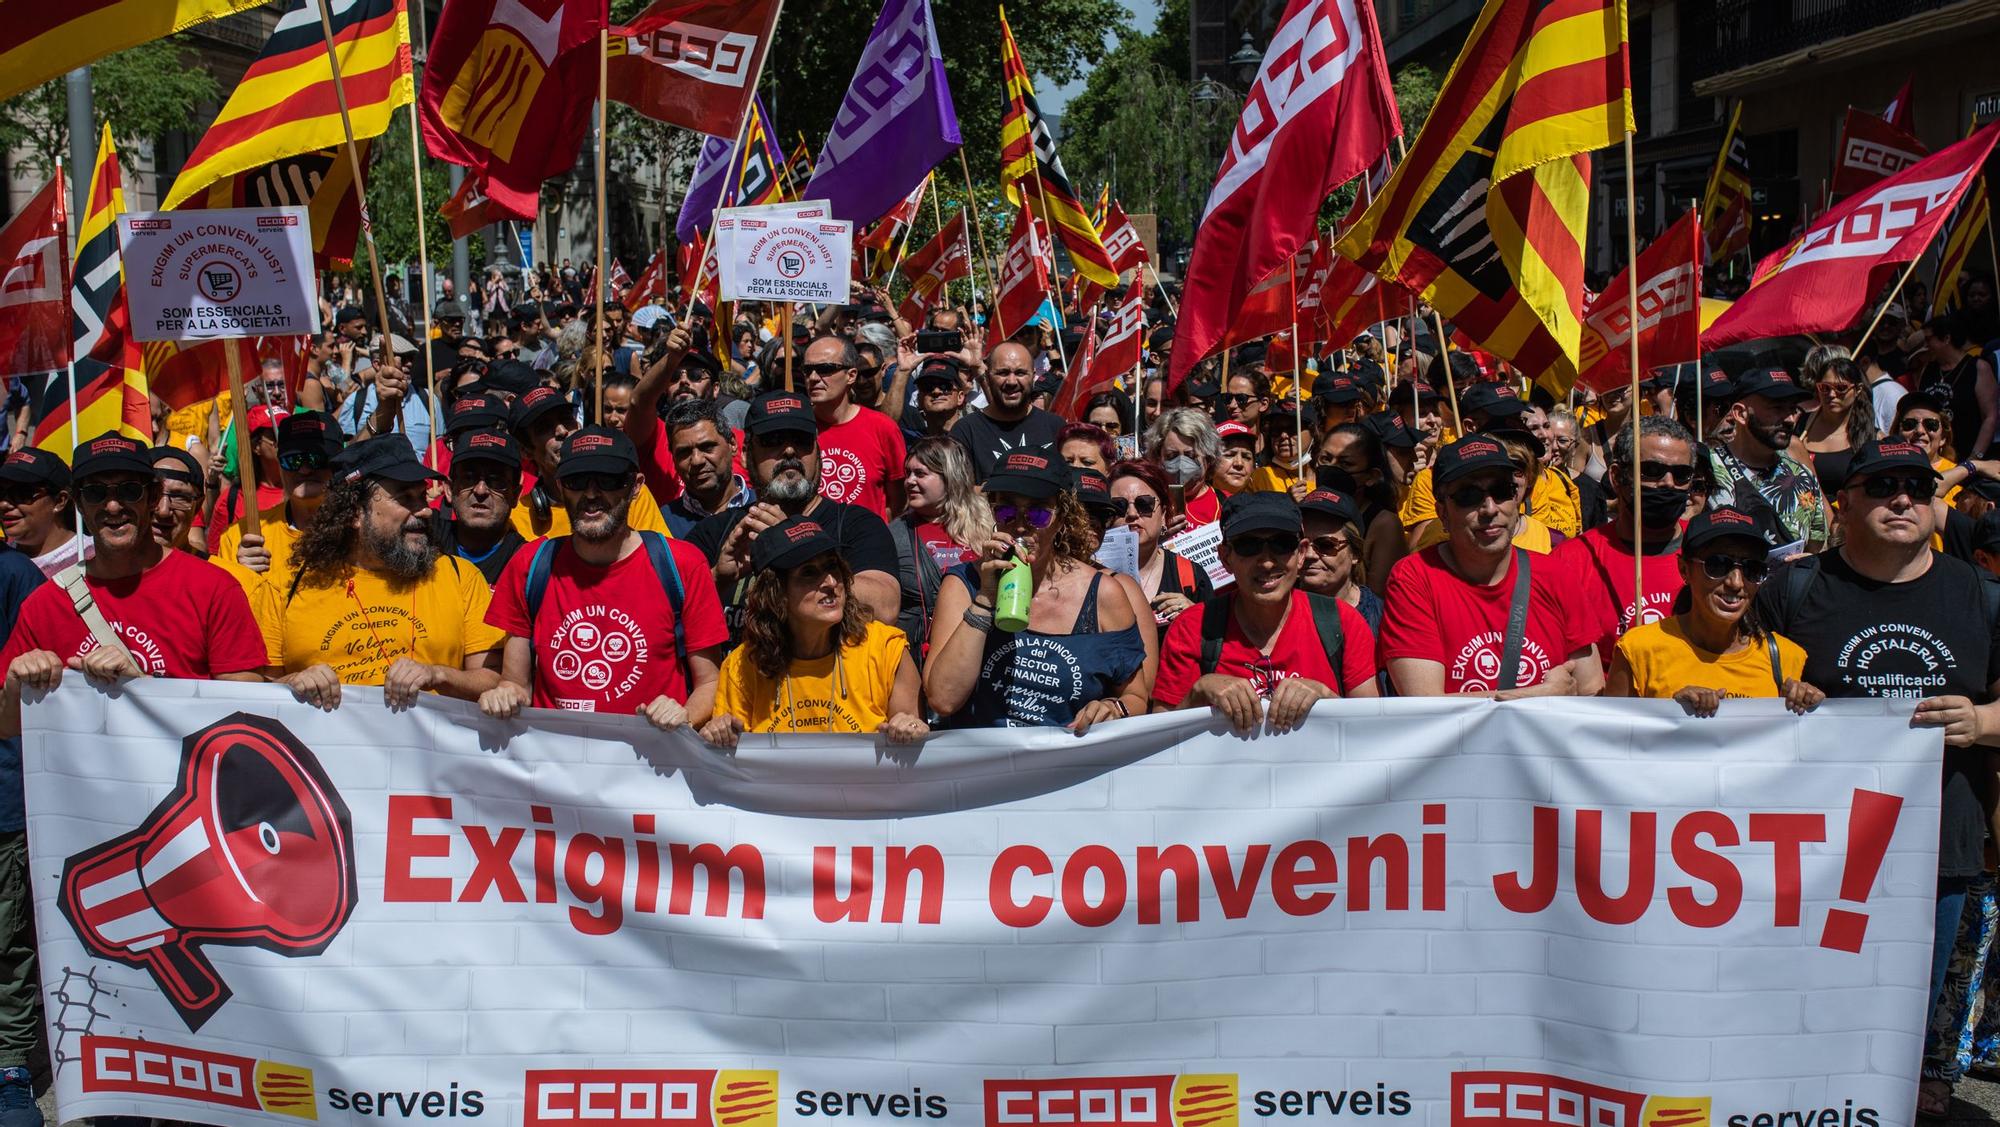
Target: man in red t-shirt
604,636
1272,647
1601,558
173,615
1448,622
679,373
860,449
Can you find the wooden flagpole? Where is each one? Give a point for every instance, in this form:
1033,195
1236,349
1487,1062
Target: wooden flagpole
742,129
1632,353
597,284
972,220
1298,395
1696,206
424,282
360,189
1888,301
1056,290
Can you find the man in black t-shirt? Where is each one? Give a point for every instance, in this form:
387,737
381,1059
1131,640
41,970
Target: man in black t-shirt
783,440
1009,420
1885,616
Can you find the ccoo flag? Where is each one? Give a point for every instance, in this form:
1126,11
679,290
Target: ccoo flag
690,62
34,286
943,260
1669,273
1822,282
896,123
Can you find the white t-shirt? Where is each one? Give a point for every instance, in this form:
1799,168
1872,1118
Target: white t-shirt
1886,393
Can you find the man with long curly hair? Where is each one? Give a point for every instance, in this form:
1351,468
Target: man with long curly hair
370,600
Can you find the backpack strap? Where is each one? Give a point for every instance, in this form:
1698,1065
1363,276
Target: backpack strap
1214,623
1517,624
1777,667
71,580
537,585
1332,634
1184,571
1798,581
669,573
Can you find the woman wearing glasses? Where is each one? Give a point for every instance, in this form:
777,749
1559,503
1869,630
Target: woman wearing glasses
1840,419
1084,656
1476,616
1170,582
1715,645
1332,563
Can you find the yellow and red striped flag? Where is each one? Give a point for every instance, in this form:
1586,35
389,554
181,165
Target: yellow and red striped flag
1486,216
1033,173
285,104
43,39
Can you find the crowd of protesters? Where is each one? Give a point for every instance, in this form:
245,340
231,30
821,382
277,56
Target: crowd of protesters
722,531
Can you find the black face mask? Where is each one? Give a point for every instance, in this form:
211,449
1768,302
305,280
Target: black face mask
1660,506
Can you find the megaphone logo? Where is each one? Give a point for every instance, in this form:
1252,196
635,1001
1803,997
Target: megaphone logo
253,848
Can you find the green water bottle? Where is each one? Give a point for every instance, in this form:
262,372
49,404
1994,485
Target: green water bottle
1010,602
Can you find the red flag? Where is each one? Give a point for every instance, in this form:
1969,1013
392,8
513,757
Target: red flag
1901,111
1268,307
466,209
943,260
1319,114
1871,149
1114,354
620,280
1122,243
1824,281
1669,272
1080,382
507,92
1359,299
697,261
883,235
691,63
652,283
34,286
1024,279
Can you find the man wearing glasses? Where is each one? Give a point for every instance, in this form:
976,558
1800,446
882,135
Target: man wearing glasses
1754,471
1602,557
180,499
1009,420
1476,616
35,509
1267,650
485,486
608,618
306,443
860,449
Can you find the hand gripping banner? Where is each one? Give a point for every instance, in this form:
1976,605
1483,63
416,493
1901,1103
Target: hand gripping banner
1554,913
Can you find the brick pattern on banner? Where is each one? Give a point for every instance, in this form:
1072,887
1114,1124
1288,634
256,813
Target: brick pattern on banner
537,935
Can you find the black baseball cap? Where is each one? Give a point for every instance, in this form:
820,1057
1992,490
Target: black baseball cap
1720,523
1986,533
1425,393
479,411
1093,489
387,457
1882,455
1332,503
1286,417
1986,487
1492,399
596,450
1391,429
35,466
485,446
791,542
938,370
1717,384
537,403
781,411
1034,472
1337,389
1260,511
1771,383
112,452
1202,389
512,376
171,463
1470,455
304,431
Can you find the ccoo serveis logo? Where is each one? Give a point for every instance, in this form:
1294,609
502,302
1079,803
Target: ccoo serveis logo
1114,1101
651,1097
1538,1099
181,1072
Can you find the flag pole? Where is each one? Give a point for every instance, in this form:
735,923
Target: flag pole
972,217
1055,290
360,190
1298,393
251,522
75,439
597,284
424,280
903,249
937,220
742,129
1437,320
1695,207
1890,300
1632,353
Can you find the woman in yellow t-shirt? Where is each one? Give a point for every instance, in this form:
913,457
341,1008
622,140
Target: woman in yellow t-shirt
812,658
1714,646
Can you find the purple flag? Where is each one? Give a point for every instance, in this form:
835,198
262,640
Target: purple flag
710,187
896,123
704,190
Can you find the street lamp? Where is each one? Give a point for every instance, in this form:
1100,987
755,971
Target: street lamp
1244,63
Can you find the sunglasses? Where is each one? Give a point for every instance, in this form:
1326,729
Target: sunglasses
1327,546
598,482
126,492
1681,473
1719,566
1470,496
1039,516
1836,387
1911,426
497,478
301,461
823,369
1144,506
1884,486
1235,399
22,494
1275,543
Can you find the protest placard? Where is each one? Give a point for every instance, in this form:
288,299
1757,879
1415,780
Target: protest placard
784,252
228,272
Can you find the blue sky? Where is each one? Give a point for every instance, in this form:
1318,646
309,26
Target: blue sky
1055,98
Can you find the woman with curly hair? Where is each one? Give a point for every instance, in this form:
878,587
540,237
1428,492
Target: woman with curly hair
1085,656
813,658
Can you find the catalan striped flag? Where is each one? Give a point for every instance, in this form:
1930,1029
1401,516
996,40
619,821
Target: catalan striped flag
1725,205
109,372
1034,175
44,39
1486,216
285,104
1973,215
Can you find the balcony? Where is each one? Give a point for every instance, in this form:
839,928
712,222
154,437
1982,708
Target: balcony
1751,31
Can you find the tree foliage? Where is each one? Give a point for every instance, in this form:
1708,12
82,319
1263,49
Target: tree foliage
143,93
392,204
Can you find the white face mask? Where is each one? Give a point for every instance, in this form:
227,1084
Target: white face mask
1182,470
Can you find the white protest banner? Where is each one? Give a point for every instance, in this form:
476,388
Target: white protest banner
228,272
784,252
1445,913
1198,545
